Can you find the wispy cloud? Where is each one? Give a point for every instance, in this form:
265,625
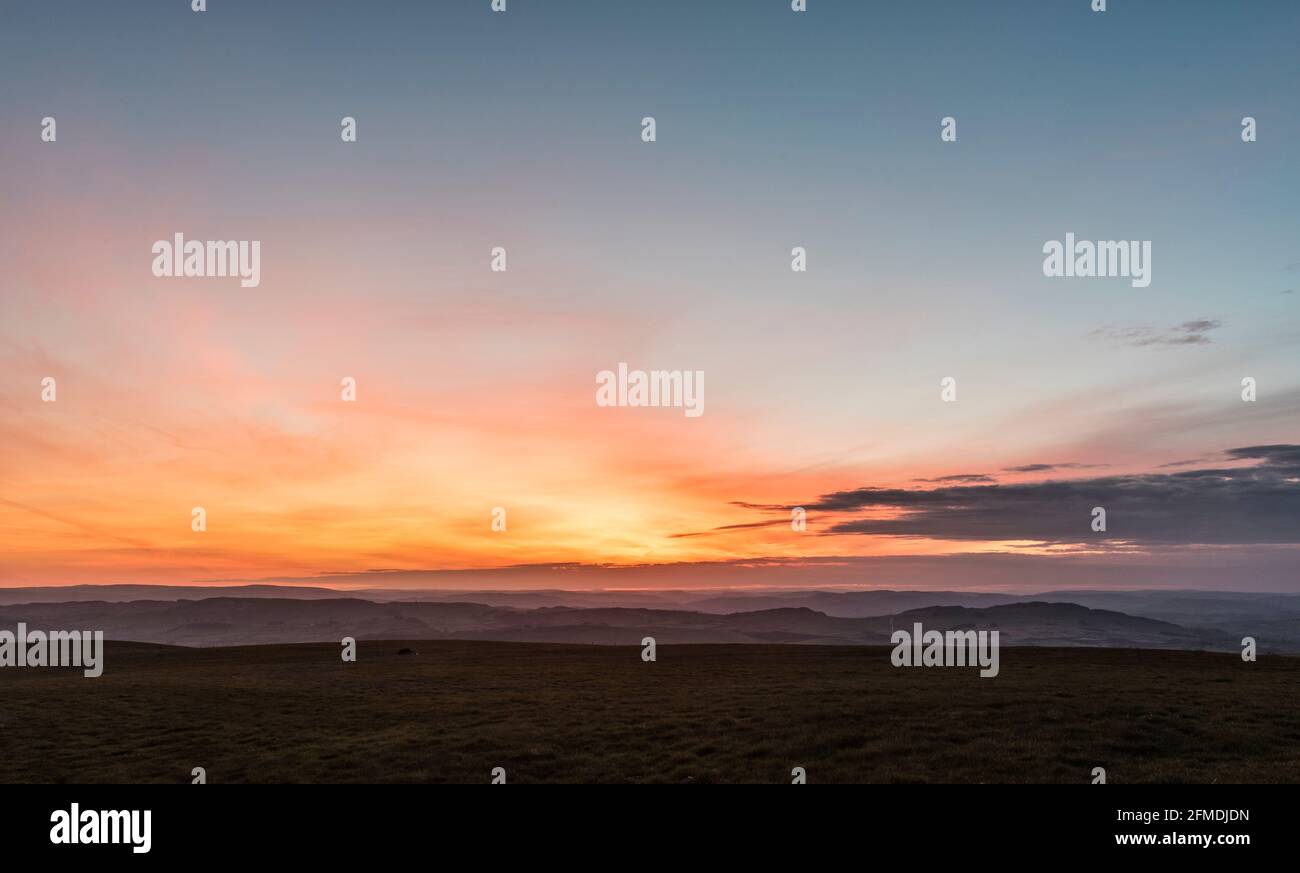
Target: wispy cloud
1179,464
1046,468
1189,333
960,478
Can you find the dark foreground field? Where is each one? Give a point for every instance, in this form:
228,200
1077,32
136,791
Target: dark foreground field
549,713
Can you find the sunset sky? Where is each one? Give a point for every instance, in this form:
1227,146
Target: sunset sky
822,389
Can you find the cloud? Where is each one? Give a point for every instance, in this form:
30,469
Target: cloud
1254,504
965,478
1250,569
731,527
1044,468
1189,333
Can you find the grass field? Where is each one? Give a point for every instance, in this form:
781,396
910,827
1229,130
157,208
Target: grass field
549,713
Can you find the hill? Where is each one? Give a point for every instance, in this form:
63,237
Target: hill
226,621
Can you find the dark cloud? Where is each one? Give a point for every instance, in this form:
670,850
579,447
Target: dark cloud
965,478
1043,468
1282,455
727,527
1253,504
1189,333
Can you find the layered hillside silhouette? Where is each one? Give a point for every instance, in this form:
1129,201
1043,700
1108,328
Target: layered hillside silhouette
1187,621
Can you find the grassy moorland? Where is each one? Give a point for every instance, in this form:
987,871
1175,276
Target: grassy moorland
565,713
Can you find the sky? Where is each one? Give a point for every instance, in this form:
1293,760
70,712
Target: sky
476,389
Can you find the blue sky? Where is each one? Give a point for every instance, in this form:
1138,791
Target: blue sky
775,129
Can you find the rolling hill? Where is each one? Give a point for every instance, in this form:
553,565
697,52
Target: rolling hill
227,621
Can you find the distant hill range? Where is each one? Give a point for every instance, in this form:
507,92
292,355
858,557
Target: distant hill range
259,614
